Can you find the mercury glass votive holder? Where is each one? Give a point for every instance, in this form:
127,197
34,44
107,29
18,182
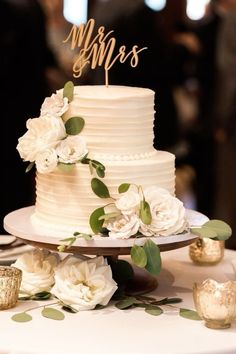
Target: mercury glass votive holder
215,302
10,280
205,251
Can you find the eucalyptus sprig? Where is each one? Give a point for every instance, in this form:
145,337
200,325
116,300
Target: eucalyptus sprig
48,312
214,229
152,306
94,165
69,241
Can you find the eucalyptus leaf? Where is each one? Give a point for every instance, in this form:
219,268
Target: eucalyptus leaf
86,237
94,222
29,167
126,303
145,212
138,256
153,310
53,314
123,187
152,251
204,232
65,167
68,90
43,295
189,314
222,229
100,171
21,317
69,308
99,188
109,216
74,125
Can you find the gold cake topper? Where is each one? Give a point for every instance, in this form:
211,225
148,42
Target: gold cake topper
98,50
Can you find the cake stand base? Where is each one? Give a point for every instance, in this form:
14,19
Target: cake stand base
142,283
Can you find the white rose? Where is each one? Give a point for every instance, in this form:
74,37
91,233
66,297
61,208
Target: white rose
72,149
84,284
46,161
128,203
56,105
168,213
123,227
37,271
43,132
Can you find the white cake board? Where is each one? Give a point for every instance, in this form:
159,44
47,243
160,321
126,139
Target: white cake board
18,223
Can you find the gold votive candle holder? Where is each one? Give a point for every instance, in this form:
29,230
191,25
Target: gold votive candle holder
215,302
205,251
10,280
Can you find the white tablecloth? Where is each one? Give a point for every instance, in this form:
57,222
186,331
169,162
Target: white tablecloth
112,331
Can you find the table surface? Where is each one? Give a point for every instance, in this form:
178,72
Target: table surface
131,331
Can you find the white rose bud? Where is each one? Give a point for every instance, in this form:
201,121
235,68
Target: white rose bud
128,203
37,271
168,213
71,149
43,132
46,161
56,105
84,284
123,227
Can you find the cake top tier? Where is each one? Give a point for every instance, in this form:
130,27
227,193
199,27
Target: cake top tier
118,120
111,92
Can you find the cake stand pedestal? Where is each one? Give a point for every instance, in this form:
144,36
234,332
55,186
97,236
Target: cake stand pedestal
18,223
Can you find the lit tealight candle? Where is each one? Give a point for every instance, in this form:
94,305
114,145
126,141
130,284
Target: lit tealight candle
216,302
10,280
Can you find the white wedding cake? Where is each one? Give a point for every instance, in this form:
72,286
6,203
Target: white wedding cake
117,133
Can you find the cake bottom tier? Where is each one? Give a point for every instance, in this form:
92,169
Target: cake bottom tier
65,200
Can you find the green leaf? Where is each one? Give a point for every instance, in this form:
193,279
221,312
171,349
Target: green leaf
65,167
99,167
29,167
99,188
123,187
138,256
126,303
69,241
53,314
222,229
189,314
152,251
69,308
99,307
204,232
74,125
100,171
86,237
153,310
109,216
94,222
145,212
21,317
61,248
43,295
68,90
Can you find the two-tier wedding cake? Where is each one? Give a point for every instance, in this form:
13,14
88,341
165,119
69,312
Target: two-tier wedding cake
116,134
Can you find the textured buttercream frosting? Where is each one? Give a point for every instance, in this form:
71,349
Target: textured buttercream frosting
118,120
119,133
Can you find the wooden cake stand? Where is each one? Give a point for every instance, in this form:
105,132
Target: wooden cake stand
18,223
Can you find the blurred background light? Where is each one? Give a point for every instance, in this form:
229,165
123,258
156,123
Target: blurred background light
196,8
76,11
156,5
